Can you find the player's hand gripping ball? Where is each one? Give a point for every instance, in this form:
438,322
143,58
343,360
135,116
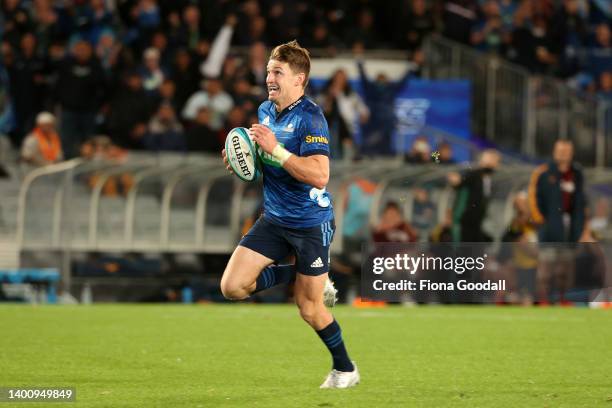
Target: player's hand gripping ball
240,154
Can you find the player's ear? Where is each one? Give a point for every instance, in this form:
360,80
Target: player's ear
299,79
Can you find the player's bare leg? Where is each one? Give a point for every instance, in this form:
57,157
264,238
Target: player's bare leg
240,275
309,298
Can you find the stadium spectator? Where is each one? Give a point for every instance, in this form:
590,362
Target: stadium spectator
490,34
27,84
200,137
108,52
243,95
392,226
80,92
364,32
379,95
257,64
130,110
556,196
101,148
423,211
152,73
43,145
420,152
445,154
570,30
412,28
459,16
185,76
557,204
213,97
165,132
535,46
472,200
167,94
599,55
345,111
518,256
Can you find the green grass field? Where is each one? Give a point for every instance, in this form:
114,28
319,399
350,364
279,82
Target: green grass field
265,356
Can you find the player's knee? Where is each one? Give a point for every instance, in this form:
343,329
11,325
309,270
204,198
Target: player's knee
233,290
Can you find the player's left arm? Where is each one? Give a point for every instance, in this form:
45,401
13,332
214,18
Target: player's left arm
312,169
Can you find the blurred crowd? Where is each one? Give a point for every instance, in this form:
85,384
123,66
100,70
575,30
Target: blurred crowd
159,75
537,248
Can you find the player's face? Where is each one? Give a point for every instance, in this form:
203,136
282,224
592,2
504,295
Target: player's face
281,82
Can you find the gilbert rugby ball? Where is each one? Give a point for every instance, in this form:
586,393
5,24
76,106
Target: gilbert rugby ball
241,154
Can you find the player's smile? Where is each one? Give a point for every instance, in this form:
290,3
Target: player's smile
273,90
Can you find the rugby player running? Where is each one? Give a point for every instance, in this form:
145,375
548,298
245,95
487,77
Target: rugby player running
298,217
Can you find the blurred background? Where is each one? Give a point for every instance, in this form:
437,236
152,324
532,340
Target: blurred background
113,114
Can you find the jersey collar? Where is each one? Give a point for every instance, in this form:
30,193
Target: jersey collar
290,107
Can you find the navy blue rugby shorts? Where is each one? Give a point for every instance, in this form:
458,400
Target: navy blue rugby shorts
310,245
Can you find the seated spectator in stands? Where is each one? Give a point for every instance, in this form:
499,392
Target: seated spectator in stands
167,93
257,63
165,132
599,56
101,148
185,75
236,117
130,111
191,30
392,226
200,137
108,51
570,30
81,90
363,31
151,72
213,97
43,145
27,84
423,211
345,111
490,34
459,16
420,152
321,38
534,45
604,90
445,154
244,96
416,26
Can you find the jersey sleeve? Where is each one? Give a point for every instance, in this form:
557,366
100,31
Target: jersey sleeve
314,135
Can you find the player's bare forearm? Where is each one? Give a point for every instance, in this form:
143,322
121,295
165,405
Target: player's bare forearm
312,170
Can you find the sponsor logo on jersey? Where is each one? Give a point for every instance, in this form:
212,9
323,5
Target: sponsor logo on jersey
289,128
316,139
266,121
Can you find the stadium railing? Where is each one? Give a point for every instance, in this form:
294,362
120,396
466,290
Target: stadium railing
190,204
522,111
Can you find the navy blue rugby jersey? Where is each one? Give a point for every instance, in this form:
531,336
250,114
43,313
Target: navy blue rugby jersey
300,128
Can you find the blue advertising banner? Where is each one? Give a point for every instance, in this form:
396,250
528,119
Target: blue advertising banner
444,105
439,104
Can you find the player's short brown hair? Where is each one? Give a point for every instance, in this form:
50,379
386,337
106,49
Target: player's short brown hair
296,56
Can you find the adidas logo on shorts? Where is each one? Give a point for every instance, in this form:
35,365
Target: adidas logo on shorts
318,263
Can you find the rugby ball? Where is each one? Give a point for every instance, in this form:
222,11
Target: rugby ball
241,154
